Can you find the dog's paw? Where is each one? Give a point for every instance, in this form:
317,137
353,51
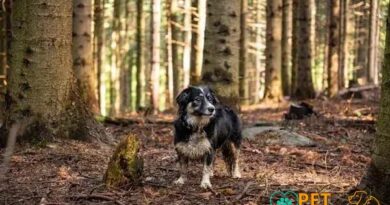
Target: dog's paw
205,184
179,181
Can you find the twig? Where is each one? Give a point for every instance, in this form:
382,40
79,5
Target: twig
98,197
244,191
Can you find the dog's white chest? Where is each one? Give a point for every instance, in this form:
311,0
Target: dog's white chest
197,146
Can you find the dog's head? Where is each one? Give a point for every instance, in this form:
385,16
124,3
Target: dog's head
198,101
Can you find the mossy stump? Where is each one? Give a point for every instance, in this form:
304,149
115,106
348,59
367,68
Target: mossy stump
125,166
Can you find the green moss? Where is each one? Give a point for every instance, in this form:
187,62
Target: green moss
125,165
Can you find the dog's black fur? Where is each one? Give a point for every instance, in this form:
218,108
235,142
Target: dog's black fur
203,126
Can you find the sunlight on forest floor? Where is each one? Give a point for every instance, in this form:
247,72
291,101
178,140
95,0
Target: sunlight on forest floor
70,172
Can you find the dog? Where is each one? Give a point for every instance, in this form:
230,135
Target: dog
203,126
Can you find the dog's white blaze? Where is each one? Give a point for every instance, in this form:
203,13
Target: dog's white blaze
197,146
205,183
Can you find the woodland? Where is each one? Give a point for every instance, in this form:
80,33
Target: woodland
88,98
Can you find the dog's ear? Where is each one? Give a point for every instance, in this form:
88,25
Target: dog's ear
183,97
214,97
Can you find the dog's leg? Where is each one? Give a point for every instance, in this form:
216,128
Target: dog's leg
231,154
207,170
183,164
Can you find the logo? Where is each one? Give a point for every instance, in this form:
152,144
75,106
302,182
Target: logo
362,198
301,198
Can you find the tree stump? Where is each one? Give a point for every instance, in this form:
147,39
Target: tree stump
125,166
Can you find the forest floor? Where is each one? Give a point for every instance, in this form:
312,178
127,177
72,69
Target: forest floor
70,172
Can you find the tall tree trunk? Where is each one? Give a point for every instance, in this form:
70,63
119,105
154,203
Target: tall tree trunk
169,47
177,68
286,45
258,64
373,37
333,58
140,88
243,70
378,176
294,44
362,47
273,83
304,88
344,41
221,53
42,91
155,51
99,53
187,42
198,42
3,55
82,52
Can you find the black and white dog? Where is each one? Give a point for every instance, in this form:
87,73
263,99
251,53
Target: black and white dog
204,125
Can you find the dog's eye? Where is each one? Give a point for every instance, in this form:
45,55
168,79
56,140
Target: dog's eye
209,97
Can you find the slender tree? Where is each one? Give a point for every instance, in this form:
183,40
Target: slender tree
244,78
169,58
221,53
333,55
258,65
82,52
42,92
99,53
373,37
187,42
198,42
140,87
273,84
304,88
286,45
155,52
294,44
378,176
176,63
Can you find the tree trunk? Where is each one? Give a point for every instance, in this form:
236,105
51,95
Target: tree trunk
286,45
294,44
169,47
244,81
344,41
362,41
42,91
99,53
187,43
373,37
258,39
273,84
82,53
155,51
177,68
378,176
304,88
3,56
198,43
140,88
221,53
333,58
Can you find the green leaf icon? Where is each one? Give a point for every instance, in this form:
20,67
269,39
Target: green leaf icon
284,201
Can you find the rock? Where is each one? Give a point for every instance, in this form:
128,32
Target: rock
125,165
274,135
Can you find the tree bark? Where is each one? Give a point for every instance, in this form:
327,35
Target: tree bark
221,53
177,68
333,56
243,70
198,42
286,45
294,44
304,88
377,179
187,43
259,10
82,53
99,54
169,47
140,88
373,37
42,92
273,84
155,51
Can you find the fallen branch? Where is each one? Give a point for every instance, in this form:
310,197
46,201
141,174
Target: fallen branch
244,191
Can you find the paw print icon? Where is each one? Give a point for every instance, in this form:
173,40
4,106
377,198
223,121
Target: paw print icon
284,201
